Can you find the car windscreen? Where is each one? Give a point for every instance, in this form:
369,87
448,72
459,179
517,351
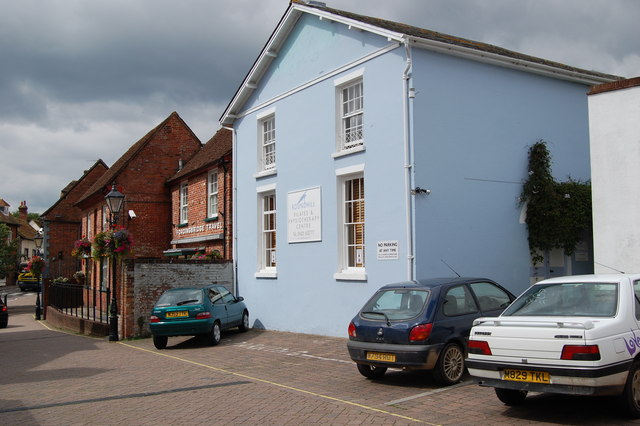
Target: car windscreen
567,299
395,304
180,297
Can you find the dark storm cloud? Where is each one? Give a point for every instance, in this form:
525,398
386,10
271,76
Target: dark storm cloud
85,79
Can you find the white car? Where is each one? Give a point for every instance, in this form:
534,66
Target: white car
575,335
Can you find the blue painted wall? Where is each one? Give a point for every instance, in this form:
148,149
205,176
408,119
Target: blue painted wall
305,297
472,125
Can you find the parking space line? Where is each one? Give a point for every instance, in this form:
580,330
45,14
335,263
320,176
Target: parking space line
280,385
431,392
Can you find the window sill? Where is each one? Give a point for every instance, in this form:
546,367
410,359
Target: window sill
211,219
265,173
350,151
350,276
266,274
182,225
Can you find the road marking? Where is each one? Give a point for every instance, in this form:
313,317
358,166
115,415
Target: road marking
116,397
286,351
280,385
431,392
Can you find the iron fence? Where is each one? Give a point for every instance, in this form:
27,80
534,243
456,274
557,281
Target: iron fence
80,301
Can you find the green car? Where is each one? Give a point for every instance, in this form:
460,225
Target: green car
197,312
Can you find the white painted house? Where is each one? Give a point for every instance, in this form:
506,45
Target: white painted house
614,109
368,152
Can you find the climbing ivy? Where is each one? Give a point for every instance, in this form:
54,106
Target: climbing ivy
558,213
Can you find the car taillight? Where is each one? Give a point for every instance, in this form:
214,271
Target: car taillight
420,332
154,318
4,308
203,315
479,347
352,330
581,352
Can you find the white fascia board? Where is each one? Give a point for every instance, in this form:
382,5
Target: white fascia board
275,42
267,55
509,62
351,23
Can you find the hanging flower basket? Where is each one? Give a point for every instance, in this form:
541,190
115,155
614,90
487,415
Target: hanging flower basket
81,248
36,265
112,243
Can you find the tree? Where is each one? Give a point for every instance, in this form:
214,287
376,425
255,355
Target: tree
8,251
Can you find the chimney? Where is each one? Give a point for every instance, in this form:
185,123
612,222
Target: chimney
23,210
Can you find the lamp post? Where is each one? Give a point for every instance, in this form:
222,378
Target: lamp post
38,241
114,201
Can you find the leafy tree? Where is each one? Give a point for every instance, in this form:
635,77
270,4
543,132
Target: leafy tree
8,251
30,216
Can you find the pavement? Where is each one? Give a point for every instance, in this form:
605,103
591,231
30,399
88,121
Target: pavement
53,377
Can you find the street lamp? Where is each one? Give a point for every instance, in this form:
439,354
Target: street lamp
38,241
114,202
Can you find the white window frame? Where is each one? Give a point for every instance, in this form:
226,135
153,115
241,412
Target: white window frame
267,260
105,218
184,203
104,272
212,194
89,234
266,142
353,84
347,271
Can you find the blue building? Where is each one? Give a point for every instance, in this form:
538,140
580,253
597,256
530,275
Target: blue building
370,152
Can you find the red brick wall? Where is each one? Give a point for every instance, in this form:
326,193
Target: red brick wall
63,226
199,225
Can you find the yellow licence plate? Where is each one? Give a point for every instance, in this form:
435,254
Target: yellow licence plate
378,356
177,314
526,376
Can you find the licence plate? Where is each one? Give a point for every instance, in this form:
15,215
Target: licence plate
378,356
526,376
177,314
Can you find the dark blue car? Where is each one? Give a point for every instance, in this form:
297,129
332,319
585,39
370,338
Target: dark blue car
422,325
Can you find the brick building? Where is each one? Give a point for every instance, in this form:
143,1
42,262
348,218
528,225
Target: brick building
62,224
141,175
201,194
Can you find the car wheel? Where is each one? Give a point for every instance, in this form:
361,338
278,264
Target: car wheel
244,325
511,396
371,371
215,335
631,394
4,325
160,342
450,366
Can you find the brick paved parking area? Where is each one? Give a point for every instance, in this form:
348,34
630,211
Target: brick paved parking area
50,377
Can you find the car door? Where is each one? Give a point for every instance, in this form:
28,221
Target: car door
457,312
491,298
233,308
218,305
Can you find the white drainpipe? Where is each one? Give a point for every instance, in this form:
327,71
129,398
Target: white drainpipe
408,95
234,198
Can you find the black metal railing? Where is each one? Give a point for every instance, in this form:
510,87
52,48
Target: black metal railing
80,301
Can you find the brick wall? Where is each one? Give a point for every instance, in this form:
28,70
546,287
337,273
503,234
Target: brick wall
199,225
146,279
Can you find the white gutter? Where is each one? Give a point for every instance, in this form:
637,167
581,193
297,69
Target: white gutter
408,167
234,198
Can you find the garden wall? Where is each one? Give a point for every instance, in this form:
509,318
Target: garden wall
146,279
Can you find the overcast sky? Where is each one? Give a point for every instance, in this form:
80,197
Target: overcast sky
82,80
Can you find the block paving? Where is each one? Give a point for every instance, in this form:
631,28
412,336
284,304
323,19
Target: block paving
54,377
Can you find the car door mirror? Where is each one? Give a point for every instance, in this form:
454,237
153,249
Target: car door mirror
239,299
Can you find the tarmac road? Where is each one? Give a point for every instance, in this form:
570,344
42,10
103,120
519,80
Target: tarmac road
51,377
